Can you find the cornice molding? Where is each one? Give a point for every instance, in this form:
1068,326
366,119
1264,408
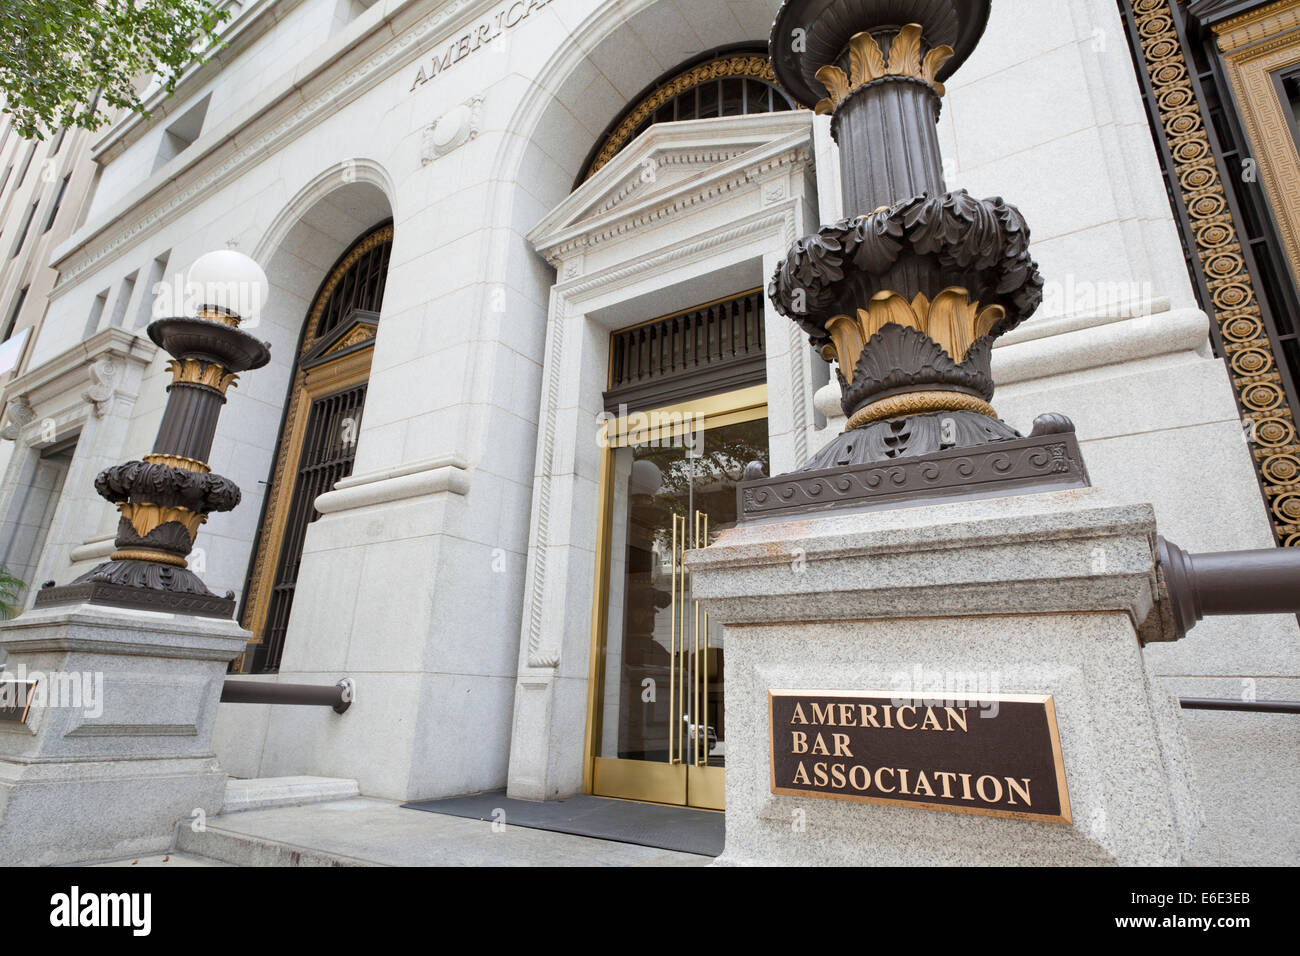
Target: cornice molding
249,25
446,473
743,231
70,370
1263,30
1211,11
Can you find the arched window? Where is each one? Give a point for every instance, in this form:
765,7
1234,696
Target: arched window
318,439
723,84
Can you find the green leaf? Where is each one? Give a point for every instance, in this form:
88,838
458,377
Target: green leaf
61,56
10,594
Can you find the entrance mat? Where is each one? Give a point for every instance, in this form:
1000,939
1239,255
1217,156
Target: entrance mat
623,821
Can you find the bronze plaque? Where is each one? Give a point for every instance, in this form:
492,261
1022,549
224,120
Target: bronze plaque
15,699
997,755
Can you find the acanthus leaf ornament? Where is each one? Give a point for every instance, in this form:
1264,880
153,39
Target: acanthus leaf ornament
909,297
867,65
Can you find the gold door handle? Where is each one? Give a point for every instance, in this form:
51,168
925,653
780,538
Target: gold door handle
699,681
676,566
679,731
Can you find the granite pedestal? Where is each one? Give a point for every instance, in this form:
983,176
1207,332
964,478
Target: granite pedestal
1034,594
116,747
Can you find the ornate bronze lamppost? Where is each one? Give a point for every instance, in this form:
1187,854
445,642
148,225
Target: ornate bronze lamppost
166,497
909,292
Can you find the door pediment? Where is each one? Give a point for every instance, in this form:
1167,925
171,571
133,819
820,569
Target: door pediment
356,331
672,167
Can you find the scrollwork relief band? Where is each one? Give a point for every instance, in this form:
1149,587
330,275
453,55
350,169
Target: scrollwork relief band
1266,413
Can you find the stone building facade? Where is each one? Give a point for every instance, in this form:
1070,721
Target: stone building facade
498,231
45,188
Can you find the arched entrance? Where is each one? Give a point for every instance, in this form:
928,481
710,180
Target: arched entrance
318,439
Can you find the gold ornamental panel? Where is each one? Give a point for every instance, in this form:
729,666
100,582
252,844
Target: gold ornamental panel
145,517
195,372
951,319
1269,418
1255,46
867,64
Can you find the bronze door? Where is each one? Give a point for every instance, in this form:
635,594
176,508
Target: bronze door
658,727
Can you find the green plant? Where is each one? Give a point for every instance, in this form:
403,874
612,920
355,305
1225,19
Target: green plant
62,58
10,592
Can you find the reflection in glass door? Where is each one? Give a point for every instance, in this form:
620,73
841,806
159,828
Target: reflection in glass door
658,730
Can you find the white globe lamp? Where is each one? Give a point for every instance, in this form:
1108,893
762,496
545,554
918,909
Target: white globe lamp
227,285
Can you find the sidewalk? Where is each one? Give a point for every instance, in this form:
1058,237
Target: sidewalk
362,831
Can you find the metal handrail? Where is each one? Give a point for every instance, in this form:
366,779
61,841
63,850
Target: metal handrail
1228,582
339,696
1249,706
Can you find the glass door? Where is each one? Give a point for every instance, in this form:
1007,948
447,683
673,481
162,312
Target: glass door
669,486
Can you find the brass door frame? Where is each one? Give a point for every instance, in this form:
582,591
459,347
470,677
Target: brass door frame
642,779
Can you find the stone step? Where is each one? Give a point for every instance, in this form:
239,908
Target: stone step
267,792
173,859
228,846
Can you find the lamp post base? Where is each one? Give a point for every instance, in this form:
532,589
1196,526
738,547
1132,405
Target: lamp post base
177,590
115,745
908,637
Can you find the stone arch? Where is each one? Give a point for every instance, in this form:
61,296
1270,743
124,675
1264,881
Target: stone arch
571,104
575,81
298,250
311,232
662,37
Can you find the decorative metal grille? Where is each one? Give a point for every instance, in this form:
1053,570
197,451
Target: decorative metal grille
657,362
329,449
734,85
325,428
1232,252
361,287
